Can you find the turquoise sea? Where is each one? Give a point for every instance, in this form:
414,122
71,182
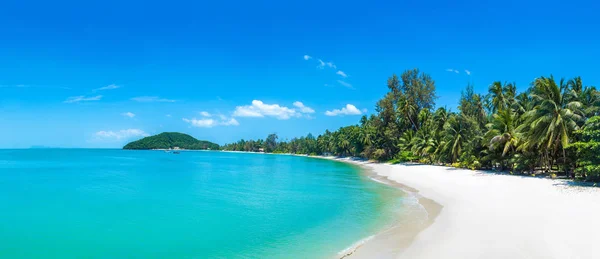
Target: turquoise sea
98,203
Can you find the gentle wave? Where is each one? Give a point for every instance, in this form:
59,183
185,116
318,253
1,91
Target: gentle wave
349,250
413,212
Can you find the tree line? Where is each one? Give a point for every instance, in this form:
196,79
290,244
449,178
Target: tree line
551,128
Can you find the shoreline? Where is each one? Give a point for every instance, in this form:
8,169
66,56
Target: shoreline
486,215
489,215
393,240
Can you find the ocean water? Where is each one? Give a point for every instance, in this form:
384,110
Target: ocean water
86,203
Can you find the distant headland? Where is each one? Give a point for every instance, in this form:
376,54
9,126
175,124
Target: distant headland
172,140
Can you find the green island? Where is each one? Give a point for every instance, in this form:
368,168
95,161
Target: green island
171,140
551,129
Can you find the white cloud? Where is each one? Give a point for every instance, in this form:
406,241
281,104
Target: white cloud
452,70
468,72
321,64
348,110
108,87
307,57
81,98
201,123
260,109
168,115
205,114
148,99
121,134
209,123
230,122
346,84
341,73
303,108
128,114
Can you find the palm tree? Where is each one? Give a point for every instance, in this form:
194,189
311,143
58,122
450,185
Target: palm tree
440,116
500,96
502,133
575,85
510,92
406,140
588,96
424,143
590,101
457,132
409,111
367,134
523,103
553,118
496,96
345,146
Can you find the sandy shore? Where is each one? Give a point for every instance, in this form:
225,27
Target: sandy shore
487,215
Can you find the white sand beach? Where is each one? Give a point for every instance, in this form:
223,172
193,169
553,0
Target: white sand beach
487,215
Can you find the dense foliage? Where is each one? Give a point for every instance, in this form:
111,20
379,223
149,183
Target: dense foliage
587,150
169,140
549,128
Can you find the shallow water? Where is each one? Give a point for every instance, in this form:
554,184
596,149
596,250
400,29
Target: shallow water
86,203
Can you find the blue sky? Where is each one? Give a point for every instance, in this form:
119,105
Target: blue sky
79,74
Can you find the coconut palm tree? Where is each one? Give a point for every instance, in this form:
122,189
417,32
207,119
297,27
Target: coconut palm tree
367,133
550,123
424,143
406,140
409,110
502,131
496,97
456,133
440,116
588,96
590,102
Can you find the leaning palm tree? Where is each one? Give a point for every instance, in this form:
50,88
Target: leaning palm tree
409,110
550,123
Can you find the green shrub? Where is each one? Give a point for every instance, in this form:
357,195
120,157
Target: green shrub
406,156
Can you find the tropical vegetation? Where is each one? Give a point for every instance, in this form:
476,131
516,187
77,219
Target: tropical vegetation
551,128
